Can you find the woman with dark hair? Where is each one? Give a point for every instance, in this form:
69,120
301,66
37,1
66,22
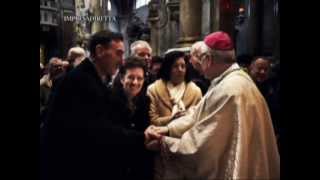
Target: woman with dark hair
171,96
133,104
174,92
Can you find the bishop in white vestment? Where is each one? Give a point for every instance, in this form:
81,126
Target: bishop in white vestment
229,134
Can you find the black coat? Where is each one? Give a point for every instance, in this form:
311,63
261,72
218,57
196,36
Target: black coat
270,89
82,139
137,119
140,164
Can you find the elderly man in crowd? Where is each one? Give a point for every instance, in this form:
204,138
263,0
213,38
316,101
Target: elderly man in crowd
75,56
143,49
196,70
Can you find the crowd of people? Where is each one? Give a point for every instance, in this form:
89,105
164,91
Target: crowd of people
195,115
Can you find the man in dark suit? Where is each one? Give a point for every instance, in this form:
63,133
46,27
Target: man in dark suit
82,137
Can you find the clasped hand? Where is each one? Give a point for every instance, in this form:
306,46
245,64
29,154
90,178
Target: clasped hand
153,135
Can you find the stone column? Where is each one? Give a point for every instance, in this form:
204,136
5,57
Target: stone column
154,20
171,30
215,6
190,22
123,26
154,39
253,36
206,18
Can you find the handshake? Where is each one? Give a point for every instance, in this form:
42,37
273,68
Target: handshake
153,135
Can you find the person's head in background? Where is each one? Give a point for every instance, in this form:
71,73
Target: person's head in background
75,56
55,67
259,69
241,16
132,75
142,49
156,65
174,68
195,53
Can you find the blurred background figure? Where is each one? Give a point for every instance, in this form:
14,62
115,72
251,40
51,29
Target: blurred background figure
75,56
47,81
241,16
155,68
260,70
240,33
55,67
266,76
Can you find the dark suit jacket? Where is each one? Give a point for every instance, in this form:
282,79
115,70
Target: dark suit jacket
82,139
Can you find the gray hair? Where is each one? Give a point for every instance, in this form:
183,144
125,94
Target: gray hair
221,56
198,48
139,44
76,52
54,61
